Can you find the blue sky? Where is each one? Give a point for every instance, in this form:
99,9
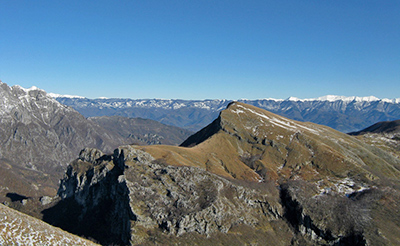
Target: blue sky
202,49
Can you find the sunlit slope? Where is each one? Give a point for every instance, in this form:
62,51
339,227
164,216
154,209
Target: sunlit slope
246,142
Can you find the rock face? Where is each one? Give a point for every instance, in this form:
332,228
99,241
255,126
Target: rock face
138,197
345,114
249,177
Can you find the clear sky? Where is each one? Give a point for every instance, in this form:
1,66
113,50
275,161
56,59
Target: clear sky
202,49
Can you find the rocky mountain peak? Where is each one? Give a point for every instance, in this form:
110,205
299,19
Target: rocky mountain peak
249,122
39,137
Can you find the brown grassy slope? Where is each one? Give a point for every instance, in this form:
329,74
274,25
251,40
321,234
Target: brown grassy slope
249,143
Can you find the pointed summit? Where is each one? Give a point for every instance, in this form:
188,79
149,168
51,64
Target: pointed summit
250,143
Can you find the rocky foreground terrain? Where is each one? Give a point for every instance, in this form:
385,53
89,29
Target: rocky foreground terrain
250,177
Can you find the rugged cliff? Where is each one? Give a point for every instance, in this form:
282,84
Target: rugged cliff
139,200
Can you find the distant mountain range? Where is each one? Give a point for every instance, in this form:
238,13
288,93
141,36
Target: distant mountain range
345,114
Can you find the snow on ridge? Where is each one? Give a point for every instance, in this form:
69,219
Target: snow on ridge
263,99
27,90
54,95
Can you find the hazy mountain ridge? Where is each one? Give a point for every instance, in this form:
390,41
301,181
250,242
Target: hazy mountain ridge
345,114
142,131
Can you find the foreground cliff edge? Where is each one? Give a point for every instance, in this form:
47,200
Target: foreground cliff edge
250,177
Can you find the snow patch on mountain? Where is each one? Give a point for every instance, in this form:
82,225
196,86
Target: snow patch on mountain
280,122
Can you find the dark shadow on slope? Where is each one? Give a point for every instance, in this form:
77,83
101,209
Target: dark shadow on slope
203,134
94,224
16,197
100,211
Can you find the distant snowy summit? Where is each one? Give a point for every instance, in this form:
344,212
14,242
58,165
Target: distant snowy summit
333,98
54,95
329,98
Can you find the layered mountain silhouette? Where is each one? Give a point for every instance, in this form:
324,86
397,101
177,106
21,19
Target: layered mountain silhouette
249,176
346,114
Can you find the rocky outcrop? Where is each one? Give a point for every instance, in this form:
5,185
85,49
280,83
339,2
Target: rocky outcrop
133,195
342,223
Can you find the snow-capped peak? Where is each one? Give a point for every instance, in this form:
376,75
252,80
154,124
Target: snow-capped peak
295,99
27,90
